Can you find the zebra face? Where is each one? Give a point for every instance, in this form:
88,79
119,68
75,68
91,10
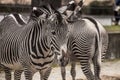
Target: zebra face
55,28
59,31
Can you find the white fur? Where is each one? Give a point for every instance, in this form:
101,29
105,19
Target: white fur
34,8
71,2
22,19
13,18
64,48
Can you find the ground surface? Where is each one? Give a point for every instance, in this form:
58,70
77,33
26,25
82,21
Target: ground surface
110,71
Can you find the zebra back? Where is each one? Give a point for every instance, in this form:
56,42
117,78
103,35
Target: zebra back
10,21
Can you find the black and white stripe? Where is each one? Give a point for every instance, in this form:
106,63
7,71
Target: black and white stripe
78,44
31,48
15,19
83,44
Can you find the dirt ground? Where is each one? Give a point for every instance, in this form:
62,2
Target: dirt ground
110,71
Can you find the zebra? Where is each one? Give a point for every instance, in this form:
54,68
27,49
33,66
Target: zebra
33,47
85,44
13,20
71,54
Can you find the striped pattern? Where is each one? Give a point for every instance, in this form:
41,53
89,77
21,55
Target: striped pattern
30,47
87,41
15,19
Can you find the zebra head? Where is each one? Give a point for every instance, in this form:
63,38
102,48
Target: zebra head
59,31
77,11
68,9
54,27
72,10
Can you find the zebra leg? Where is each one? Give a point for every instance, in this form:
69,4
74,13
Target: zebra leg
28,73
85,65
73,72
63,72
97,68
45,73
17,74
7,74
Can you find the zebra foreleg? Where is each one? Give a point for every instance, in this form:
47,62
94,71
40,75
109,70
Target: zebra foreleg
7,74
73,72
45,73
63,72
28,73
17,74
85,65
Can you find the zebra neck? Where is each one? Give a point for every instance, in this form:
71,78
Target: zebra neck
38,42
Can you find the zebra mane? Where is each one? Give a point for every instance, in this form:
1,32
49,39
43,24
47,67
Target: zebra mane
38,11
48,10
12,19
19,19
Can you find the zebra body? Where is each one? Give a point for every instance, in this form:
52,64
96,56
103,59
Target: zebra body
87,42
79,41
7,23
15,60
32,47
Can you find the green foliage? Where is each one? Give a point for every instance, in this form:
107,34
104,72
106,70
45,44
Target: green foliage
113,28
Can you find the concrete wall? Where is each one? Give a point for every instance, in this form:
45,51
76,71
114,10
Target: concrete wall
114,46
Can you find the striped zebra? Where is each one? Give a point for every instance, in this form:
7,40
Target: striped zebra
85,44
15,20
33,47
80,46
79,50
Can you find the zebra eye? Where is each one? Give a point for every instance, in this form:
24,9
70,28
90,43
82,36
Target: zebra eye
53,32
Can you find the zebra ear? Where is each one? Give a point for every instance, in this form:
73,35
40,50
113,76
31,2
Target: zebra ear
36,12
81,3
62,9
50,7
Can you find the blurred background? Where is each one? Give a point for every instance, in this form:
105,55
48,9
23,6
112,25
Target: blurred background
97,8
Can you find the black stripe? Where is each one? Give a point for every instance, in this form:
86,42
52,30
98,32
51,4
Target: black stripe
43,44
20,21
41,65
38,57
